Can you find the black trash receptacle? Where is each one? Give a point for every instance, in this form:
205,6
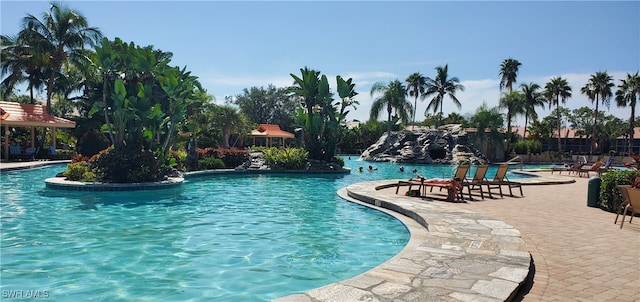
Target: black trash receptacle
593,191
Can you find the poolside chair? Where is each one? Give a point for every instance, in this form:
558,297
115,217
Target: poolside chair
570,169
478,181
606,167
501,180
633,204
454,185
625,200
593,168
411,182
14,151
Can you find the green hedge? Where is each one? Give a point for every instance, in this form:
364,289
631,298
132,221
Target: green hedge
210,163
610,197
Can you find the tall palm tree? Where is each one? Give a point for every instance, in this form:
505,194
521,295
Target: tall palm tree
61,35
532,98
392,96
416,86
514,103
628,94
20,64
508,73
557,91
598,89
442,86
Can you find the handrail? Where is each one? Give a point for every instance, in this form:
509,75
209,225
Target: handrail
513,161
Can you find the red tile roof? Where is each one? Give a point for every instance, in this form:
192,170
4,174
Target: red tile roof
271,130
26,115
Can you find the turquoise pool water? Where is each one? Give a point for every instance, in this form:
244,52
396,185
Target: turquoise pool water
222,238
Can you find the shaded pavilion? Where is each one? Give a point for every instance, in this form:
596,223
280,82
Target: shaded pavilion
269,132
30,116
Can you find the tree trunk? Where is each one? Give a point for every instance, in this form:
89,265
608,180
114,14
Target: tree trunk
631,127
593,132
389,109
558,122
415,107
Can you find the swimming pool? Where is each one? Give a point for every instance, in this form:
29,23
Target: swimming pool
223,238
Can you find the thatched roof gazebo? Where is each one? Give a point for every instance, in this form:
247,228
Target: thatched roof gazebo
27,115
269,132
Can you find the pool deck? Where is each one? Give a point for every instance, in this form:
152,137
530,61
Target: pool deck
487,250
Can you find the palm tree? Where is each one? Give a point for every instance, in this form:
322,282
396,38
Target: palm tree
20,64
60,36
532,98
514,103
441,86
627,95
416,86
509,73
392,96
557,91
488,118
598,89
228,119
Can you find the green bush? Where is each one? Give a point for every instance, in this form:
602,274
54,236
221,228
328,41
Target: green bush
92,143
527,147
521,147
610,197
339,161
210,163
127,165
287,158
534,146
80,171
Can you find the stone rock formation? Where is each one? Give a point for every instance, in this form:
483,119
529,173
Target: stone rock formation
445,145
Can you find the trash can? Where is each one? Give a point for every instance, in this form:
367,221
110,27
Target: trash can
593,191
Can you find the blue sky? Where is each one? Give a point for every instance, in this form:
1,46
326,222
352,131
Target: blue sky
236,45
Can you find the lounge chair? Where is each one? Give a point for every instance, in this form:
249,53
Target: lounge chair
478,181
571,169
501,180
633,204
606,167
454,185
593,168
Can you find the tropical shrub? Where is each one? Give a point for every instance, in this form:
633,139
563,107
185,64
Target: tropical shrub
231,158
125,164
610,197
527,147
80,171
287,158
210,163
91,143
521,147
339,161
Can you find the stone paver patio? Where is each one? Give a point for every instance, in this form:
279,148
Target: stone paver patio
577,253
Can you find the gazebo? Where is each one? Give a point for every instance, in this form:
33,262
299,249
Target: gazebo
27,115
270,131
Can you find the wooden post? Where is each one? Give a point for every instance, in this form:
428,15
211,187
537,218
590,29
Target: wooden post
53,137
33,136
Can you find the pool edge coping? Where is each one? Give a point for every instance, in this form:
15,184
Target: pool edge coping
431,265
